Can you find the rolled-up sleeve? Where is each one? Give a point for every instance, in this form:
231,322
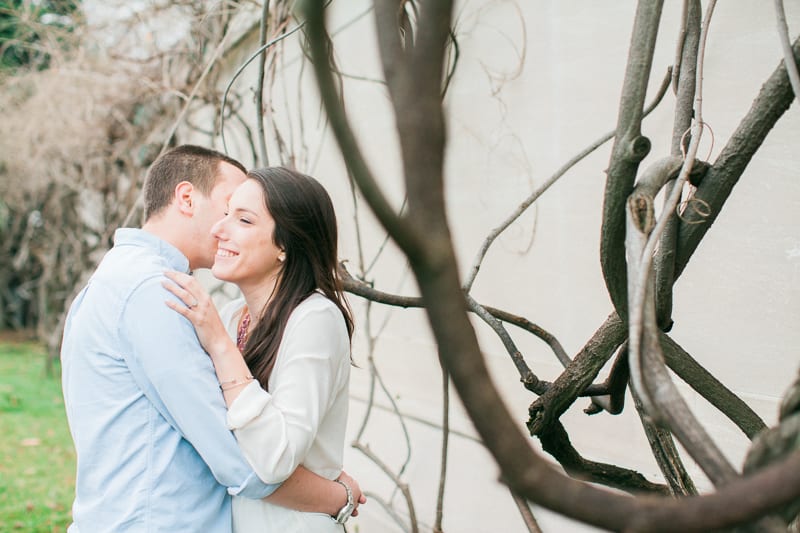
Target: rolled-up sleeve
276,429
168,363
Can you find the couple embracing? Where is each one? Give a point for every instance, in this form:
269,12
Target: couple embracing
155,378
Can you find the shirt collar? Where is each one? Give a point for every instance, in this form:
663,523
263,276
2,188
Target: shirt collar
139,237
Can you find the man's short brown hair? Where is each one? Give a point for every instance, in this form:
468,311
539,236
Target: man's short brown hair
195,164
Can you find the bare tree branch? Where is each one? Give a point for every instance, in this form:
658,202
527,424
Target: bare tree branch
649,378
556,442
716,186
659,397
710,388
648,372
407,238
665,453
773,100
776,443
630,147
577,375
616,384
664,262
437,276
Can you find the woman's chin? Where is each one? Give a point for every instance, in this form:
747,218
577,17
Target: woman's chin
220,273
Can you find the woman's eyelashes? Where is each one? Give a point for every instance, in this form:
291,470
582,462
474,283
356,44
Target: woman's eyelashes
243,220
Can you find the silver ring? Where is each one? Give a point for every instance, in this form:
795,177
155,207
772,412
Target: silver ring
194,303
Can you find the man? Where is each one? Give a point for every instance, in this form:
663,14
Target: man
142,400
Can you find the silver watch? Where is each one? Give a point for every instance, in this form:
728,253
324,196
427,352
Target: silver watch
345,512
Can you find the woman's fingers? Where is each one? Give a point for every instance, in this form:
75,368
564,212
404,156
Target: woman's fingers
199,309
361,499
185,296
185,287
181,309
181,278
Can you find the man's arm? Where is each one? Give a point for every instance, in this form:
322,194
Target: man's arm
176,375
301,489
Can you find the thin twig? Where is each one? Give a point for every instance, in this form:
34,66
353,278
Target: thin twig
363,289
238,72
402,485
527,514
388,507
420,420
455,55
476,263
676,66
384,242
437,525
262,39
786,45
526,375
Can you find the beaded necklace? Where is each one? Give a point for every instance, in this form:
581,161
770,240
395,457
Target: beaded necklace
241,333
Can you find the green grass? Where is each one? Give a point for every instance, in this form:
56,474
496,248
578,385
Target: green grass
37,459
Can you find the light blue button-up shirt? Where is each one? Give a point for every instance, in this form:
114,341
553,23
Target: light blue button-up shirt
144,405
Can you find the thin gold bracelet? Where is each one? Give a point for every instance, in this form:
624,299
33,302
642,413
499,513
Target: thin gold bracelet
235,382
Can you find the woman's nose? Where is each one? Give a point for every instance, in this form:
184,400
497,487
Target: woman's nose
217,229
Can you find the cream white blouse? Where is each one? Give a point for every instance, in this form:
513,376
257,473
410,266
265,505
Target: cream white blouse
303,417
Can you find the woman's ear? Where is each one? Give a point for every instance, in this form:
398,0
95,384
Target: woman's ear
282,256
184,192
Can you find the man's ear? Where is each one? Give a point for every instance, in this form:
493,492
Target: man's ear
184,194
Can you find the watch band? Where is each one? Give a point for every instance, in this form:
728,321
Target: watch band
345,512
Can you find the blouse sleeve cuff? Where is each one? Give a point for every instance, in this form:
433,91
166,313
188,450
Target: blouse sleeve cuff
248,405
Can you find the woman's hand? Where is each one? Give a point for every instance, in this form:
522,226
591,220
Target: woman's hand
232,371
358,496
199,309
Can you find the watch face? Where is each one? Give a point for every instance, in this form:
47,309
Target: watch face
345,513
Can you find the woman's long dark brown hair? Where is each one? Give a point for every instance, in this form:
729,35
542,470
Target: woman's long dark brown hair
305,228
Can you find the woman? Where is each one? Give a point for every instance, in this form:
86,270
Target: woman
285,380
